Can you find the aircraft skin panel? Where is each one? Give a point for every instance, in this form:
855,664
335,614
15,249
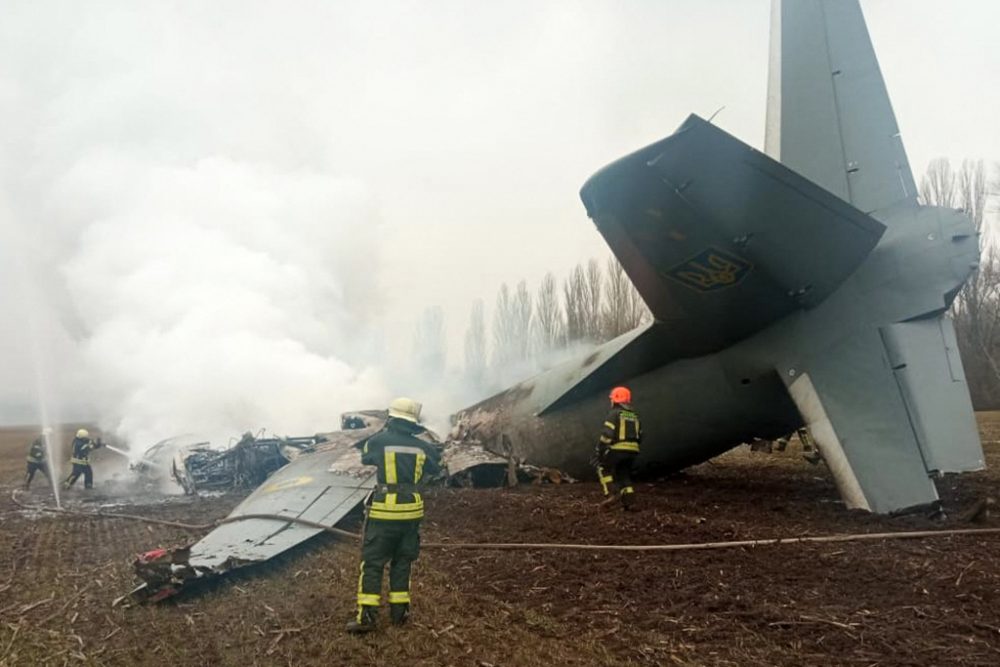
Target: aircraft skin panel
924,357
720,240
821,429
323,487
864,426
829,117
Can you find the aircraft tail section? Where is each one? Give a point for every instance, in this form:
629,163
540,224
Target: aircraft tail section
721,240
829,117
888,408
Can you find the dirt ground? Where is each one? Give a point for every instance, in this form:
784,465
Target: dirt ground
930,602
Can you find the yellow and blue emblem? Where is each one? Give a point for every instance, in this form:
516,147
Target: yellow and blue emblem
287,484
712,269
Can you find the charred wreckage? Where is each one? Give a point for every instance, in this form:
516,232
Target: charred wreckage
303,486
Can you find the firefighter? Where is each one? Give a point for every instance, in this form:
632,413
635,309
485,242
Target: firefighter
82,446
392,527
810,452
618,448
36,458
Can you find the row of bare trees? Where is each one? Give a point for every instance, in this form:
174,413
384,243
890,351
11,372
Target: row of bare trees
976,310
592,305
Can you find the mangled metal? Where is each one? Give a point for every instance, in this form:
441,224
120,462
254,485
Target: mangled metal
197,466
244,465
323,484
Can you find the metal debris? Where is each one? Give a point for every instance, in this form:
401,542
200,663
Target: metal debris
244,465
322,484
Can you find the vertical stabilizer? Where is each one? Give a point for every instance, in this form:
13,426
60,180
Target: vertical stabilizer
829,116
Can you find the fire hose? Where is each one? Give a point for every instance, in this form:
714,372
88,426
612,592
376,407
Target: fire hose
528,546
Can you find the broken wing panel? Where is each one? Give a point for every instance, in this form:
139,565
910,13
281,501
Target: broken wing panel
321,487
829,117
927,366
849,398
721,240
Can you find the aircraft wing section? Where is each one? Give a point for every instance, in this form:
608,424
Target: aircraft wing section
321,486
829,116
721,240
849,397
312,487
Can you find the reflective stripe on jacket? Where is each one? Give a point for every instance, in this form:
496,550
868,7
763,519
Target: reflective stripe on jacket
81,451
621,431
402,460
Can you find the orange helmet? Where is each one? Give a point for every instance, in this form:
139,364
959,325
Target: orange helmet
621,395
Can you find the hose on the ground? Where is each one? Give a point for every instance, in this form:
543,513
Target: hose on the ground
526,546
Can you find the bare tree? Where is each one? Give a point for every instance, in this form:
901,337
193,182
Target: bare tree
574,303
503,332
429,343
548,325
937,187
521,312
594,293
475,346
624,309
511,326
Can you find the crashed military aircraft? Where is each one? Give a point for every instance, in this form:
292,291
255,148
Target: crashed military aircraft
804,286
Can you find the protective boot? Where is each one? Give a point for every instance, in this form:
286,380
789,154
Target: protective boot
628,500
399,613
364,622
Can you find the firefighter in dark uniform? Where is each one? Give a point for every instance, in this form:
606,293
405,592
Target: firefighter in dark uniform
36,458
392,528
82,446
618,447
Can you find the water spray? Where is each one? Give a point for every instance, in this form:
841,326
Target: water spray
50,459
122,452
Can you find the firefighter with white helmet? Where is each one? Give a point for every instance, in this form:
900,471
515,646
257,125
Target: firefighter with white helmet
392,527
83,445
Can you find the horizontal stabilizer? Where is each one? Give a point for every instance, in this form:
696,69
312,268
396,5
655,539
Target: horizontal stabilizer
849,397
720,239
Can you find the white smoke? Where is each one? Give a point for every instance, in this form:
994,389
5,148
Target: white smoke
217,296
179,210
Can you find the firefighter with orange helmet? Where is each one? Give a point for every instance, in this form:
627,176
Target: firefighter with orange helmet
618,447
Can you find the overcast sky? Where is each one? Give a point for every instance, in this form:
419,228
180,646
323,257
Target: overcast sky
445,143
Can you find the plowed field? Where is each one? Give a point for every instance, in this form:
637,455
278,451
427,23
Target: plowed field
928,602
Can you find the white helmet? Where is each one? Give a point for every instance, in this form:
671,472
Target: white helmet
405,408
47,431
83,433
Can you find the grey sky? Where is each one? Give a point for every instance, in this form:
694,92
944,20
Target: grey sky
470,126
